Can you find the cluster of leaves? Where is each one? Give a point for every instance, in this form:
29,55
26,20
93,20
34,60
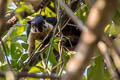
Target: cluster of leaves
16,46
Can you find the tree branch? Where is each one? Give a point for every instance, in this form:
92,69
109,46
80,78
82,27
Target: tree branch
11,18
3,6
64,18
99,16
33,75
106,52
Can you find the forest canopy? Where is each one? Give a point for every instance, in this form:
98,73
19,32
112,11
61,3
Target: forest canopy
83,42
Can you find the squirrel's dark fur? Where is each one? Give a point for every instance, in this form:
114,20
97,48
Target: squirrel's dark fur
39,27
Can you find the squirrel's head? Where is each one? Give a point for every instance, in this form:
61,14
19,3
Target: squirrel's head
39,24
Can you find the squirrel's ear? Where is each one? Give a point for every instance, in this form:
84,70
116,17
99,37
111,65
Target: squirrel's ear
44,17
29,22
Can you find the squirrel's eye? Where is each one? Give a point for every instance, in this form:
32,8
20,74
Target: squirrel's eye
43,22
33,24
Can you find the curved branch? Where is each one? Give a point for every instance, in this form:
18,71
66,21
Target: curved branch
33,75
3,6
99,16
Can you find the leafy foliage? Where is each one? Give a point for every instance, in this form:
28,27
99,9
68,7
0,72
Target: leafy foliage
98,71
16,46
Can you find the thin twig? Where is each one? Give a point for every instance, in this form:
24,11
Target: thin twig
8,34
54,31
62,20
5,52
35,56
98,18
72,16
44,64
61,69
38,75
39,46
3,6
56,65
60,48
114,51
33,75
105,52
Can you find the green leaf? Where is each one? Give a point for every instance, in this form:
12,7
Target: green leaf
15,64
3,67
84,77
24,57
52,57
117,15
25,46
56,39
55,45
82,12
110,29
107,75
2,57
96,72
49,12
24,8
52,4
35,69
15,50
33,79
66,57
2,79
